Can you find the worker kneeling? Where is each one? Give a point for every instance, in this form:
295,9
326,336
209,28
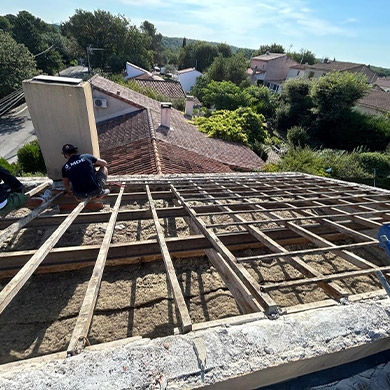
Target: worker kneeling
79,175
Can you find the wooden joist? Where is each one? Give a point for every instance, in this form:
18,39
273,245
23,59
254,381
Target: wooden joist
185,319
22,222
18,281
83,323
264,299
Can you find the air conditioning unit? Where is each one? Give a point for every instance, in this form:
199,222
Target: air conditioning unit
100,102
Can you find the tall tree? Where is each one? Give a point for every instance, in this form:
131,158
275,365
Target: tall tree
149,29
224,49
16,64
119,40
303,57
273,48
42,39
229,69
199,55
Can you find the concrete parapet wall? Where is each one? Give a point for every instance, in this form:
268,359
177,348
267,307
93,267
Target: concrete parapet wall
227,357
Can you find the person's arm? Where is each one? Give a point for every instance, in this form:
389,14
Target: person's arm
66,183
100,163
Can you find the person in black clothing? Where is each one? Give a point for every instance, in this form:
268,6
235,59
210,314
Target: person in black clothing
79,175
11,194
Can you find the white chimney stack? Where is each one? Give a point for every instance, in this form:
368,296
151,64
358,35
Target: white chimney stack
166,114
189,105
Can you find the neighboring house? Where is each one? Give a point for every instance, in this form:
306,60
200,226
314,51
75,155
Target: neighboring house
271,69
139,135
383,83
321,69
134,71
187,78
169,89
296,72
376,102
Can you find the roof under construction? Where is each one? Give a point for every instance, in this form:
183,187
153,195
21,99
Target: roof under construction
271,244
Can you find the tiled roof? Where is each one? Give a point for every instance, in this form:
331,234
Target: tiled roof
268,57
299,66
178,160
182,133
376,99
172,89
123,130
135,158
383,82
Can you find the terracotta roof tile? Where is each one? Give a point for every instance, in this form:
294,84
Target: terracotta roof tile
135,158
376,99
122,130
178,160
172,89
383,82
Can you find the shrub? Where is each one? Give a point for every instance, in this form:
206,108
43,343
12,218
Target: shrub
30,158
14,169
242,125
379,161
297,136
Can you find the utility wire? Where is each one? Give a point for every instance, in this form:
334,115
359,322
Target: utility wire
43,52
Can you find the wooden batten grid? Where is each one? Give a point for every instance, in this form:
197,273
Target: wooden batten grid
267,210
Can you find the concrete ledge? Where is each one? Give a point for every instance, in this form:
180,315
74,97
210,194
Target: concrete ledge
226,357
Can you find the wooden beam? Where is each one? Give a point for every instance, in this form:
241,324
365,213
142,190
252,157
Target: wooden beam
185,319
20,223
38,188
18,281
83,323
265,300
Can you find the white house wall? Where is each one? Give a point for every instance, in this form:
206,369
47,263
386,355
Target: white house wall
115,107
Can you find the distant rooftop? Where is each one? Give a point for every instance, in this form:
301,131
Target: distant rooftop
376,99
269,56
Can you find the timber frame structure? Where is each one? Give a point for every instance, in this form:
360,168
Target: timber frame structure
328,216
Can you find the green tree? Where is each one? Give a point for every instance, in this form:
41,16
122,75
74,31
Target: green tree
225,95
335,92
155,38
199,55
303,57
42,39
16,64
113,34
5,24
228,69
224,49
296,105
263,100
273,48
242,125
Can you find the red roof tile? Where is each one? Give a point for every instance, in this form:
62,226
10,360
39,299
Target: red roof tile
376,99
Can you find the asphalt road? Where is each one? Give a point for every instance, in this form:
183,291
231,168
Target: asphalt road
16,129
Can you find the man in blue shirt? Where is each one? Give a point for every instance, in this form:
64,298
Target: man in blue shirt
79,175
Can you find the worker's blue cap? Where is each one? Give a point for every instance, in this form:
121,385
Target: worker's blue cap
69,148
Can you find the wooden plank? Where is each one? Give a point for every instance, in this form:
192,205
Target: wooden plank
265,300
38,188
323,278
81,329
185,319
20,223
310,251
18,281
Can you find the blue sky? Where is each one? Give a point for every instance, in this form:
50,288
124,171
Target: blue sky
348,30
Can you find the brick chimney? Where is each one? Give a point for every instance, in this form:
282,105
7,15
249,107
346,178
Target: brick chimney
166,114
189,105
